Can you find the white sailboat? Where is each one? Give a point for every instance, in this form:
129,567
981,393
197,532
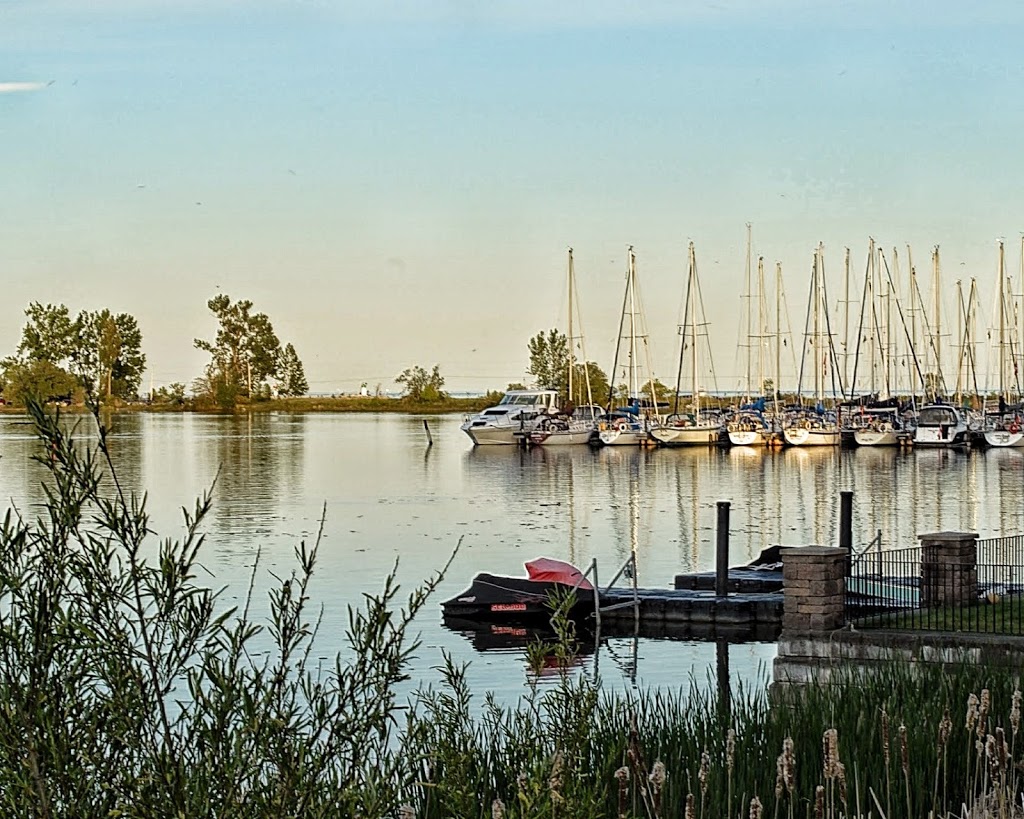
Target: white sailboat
575,425
815,426
1004,427
629,425
697,426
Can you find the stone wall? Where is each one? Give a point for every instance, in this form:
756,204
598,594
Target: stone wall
814,588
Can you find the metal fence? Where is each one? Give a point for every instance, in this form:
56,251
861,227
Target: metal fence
896,589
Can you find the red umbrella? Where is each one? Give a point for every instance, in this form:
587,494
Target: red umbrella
557,571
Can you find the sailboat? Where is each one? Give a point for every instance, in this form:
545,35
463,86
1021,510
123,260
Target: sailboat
629,425
698,426
576,424
816,426
748,427
1004,427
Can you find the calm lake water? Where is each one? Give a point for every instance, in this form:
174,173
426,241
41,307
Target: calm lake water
388,497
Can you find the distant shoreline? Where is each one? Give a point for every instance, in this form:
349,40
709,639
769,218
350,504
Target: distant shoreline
358,404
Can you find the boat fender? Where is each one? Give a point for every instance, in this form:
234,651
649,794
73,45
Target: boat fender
1015,427
622,426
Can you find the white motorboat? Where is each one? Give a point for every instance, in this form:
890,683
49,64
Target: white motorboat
512,418
940,425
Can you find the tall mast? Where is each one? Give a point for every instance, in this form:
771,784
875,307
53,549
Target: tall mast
572,342
846,321
692,308
961,328
634,386
778,334
913,310
760,325
749,316
1002,322
937,307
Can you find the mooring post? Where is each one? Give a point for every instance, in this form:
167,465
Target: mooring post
846,525
722,552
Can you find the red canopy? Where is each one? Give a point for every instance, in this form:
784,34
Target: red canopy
557,571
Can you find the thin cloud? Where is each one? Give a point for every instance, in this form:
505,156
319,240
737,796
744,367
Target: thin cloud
21,87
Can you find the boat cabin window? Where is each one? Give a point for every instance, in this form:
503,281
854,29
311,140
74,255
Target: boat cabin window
495,412
936,416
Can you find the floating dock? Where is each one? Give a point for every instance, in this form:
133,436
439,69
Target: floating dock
759,611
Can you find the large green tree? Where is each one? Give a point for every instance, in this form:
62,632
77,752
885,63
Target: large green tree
291,374
109,350
549,360
421,386
598,384
96,350
245,352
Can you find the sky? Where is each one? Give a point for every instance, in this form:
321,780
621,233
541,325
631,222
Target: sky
396,183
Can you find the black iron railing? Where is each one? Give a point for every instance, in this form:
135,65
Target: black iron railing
903,589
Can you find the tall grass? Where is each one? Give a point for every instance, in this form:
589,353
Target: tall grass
128,689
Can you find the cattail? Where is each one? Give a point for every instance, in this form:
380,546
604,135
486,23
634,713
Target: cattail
983,713
972,712
819,802
702,774
658,776
945,727
992,755
830,747
498,809
756,808
1015,711
691,807
406,812
730,749
622,775
904,750
841,776
555,780
789,764
1001,748
780,778
885,738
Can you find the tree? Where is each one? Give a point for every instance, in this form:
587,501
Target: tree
50,334
421,386
291,374
245,352
38,379
598,384
549,360
109,349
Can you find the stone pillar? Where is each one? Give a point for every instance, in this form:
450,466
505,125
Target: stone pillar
949,569
814,589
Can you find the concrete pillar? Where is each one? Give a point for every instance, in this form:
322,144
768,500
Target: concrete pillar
949,568
814,589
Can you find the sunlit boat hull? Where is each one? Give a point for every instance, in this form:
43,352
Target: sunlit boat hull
701,435
746,437
493,435
801,436
1003,438
876,437
562,437
937,437
618,437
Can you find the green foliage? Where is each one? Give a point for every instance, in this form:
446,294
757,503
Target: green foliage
95,349
291,374
36,379
421,386
244,354
171,394
598,384
549,360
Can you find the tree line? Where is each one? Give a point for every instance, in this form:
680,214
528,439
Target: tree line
99,353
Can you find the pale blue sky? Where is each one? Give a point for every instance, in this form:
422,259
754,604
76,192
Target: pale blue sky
396,183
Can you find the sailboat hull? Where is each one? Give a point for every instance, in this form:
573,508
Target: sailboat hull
800,436
876,437
562,437
703,435
616,437
746,437
1003,438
